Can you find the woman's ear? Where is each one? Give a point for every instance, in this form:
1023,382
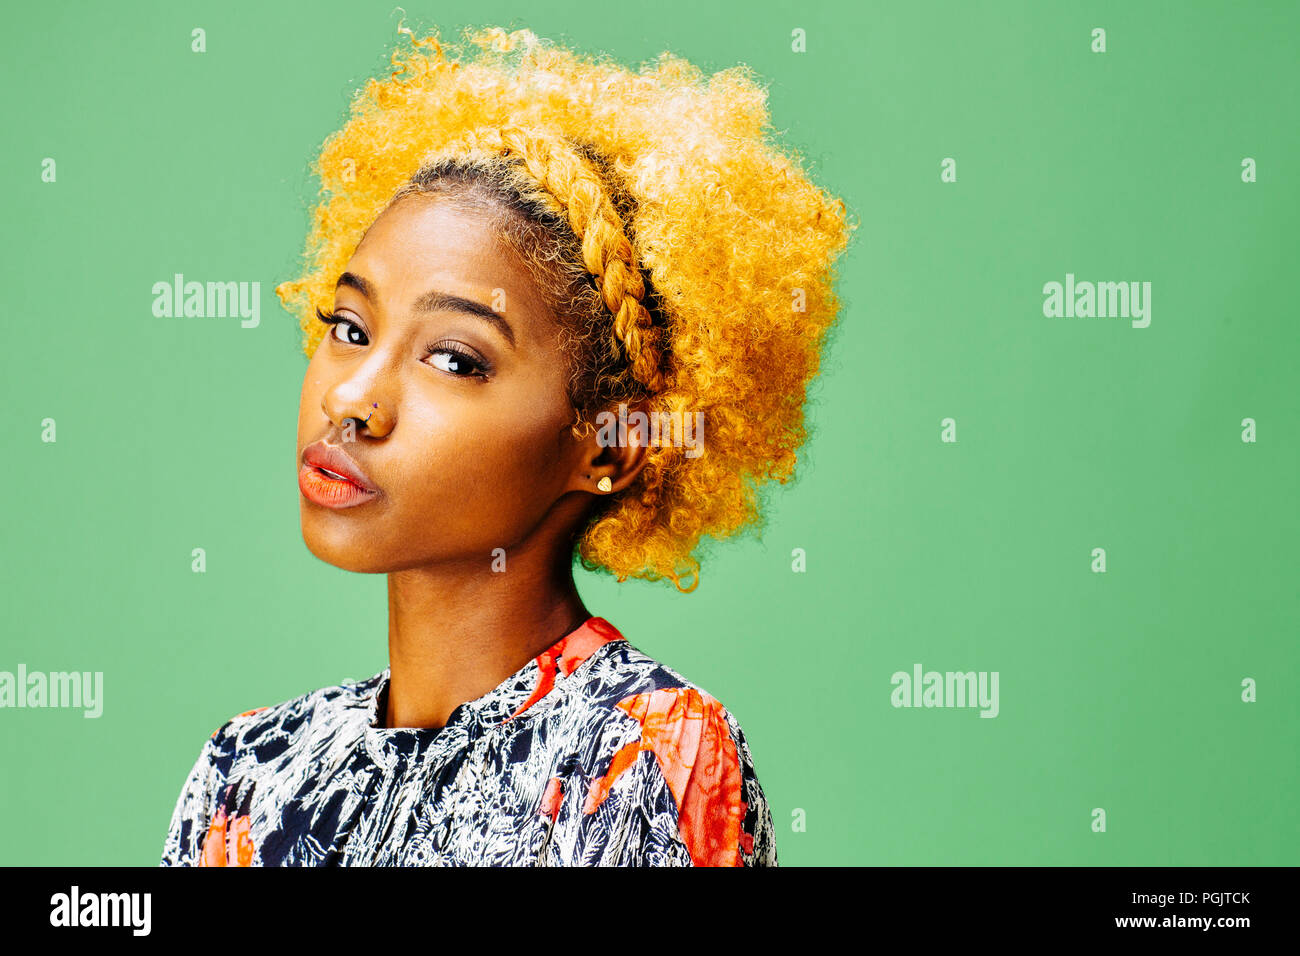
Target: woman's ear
615,450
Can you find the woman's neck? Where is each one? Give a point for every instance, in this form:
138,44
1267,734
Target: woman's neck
455,633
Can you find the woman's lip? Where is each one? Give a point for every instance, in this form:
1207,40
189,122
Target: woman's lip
334,459
319,489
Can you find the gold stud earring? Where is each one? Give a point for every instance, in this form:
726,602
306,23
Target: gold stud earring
605,484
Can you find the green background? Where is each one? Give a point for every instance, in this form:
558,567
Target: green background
1119,690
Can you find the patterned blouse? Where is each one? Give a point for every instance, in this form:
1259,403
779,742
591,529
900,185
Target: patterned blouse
593,753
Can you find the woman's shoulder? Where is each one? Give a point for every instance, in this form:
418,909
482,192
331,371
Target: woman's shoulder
699,778
627,680
271,726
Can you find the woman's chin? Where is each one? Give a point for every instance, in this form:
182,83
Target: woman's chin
343,551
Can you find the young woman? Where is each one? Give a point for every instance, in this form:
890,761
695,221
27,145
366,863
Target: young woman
553,307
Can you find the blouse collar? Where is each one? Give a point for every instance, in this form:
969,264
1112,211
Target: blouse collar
518,693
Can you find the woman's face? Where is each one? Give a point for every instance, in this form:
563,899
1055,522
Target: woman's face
466,444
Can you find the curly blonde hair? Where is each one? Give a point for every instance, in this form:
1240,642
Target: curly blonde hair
689,261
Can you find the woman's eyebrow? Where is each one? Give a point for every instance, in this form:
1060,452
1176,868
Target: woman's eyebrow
352,280
438,301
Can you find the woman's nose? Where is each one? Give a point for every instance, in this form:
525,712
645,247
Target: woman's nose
342,405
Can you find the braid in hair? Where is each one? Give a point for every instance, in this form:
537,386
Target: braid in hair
567,175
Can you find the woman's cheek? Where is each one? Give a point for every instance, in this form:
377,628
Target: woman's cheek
311,415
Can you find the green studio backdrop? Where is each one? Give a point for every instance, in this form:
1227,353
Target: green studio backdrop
988,150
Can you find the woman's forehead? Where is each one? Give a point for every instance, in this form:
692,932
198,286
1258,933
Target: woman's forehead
433,232
424,244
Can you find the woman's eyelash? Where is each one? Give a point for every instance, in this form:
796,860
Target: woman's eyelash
331,318
482,368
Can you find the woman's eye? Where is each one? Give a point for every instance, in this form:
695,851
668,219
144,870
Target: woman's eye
342,329
346,331
455,362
